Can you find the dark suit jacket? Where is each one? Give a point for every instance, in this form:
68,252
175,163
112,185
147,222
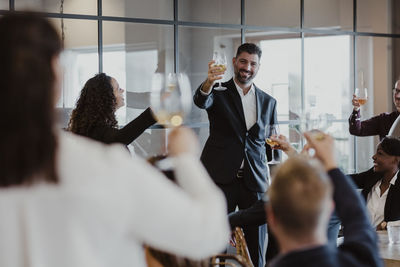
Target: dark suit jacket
380,124
126,134
366,180
359,247
254,215
230,142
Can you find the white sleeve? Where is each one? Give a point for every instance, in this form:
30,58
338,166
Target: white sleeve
190,220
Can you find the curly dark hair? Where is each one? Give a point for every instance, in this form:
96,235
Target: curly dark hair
95,107
29,44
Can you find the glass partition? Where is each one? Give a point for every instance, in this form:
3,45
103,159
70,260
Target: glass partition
150,9
214,11
87,7
328,14
273,13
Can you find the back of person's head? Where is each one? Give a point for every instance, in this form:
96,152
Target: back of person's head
95,106
249,48
300,197
29,50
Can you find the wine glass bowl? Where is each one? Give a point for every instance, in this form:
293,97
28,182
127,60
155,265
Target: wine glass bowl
170,98
271,143
272,130
314,124
361,95
220,62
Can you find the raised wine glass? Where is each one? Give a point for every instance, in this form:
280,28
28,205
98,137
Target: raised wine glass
170,98
220,61
361,95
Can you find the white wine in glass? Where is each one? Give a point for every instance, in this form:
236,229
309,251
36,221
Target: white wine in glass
272,130
220,61
170,98
361,95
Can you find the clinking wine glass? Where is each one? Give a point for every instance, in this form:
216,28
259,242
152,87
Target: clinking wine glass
220,61
361,95
170,98
313,123
272,130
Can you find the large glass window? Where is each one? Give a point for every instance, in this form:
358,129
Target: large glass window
311,75
328,86
133,52
80,56
373,71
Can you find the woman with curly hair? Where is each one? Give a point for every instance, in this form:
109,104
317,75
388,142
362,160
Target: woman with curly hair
94,114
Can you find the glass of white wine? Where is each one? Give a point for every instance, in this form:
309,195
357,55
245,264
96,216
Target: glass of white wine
361,95
220,61
170,98
272,130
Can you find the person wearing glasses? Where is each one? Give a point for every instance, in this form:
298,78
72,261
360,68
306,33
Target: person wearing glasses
377,125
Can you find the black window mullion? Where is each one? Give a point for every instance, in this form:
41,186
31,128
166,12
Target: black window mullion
100,34
176,38
242,21
355,75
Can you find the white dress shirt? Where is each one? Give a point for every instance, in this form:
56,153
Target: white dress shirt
248,102
249,107
106,206
376,202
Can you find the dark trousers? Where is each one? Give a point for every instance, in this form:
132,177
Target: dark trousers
238,195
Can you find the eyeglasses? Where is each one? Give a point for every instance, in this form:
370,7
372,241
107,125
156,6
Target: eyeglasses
396,90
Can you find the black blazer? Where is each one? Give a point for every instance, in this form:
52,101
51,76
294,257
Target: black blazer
256,214
230,142
366,180
126,134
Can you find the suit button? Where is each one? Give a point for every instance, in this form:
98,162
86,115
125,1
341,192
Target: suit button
245,149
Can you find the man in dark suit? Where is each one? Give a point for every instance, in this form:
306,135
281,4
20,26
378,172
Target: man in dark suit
235,153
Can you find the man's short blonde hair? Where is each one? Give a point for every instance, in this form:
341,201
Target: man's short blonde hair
298,196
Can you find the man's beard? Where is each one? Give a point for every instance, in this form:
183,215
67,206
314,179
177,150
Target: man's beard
244,79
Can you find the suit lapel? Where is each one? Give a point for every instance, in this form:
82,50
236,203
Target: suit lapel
236,100
259,100
390,197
